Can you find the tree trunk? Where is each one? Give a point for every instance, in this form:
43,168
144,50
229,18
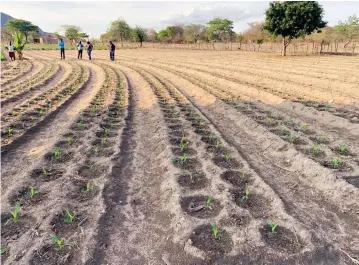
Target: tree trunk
140,43
284,47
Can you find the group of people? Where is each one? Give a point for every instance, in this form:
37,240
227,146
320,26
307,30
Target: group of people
80,48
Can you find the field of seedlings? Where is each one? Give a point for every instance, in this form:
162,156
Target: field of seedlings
179,157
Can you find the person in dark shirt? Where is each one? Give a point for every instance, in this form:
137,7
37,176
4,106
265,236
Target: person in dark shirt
80,47
89,49
112,51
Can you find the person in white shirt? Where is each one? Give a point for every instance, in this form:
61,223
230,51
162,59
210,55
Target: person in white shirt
80,48
10,47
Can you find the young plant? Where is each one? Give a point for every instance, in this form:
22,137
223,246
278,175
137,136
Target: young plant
9,131
69,140
270,120
246,193
315,149
41,112
107,131
96,150
89,187
343,149
335,163
218,143
57,152
281,130
33,192
70,217
183,159
292,138
272,226
3,250
191,177
79,125
322,139
326,106
208,203
215,231
197,118
103,140
228,157
15,214
59,241
304,127
91,166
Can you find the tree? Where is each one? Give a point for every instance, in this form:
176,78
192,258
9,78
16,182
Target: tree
119,30
163,35
73,32
151,35
139,35
293,19
220,29
194,32
23,26
19,43
348,30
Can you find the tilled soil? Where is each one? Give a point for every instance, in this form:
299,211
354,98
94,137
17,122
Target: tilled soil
180,157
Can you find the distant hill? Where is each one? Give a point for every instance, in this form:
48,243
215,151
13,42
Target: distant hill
5,18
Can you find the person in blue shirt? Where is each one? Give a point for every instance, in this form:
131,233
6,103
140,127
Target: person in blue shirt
62,48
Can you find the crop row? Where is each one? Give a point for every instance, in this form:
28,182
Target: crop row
16,72
210,237
38,108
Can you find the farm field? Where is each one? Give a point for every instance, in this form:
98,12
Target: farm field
179,157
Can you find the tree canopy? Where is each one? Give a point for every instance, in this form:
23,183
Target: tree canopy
139,34
119,30
293,19
220,29
23,26
349,29
194,32
73,32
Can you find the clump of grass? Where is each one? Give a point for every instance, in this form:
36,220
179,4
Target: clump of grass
281,131
315,149
218,143
335,163
292,137
33,192
321,139
69,140
9,131
208,203
270,120
182,144
181,159
272,226
57,153
103,140
69,217
215,231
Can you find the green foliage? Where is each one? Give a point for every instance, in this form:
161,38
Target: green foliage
57,153
335,163
33,192
218,143
22,26
59,241
322,139
246,193
73,32
15,214
19,42
315,149
215,231
193,32
70,217
304,127
89,187
208,203
228,157
181,159
272,226
343,149
182,144
292,137
139,34
119,30
3,250
219,29
348,29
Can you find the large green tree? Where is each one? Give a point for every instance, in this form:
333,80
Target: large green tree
23,26
293,19
220,29
119,30
139,34
73,32
194,32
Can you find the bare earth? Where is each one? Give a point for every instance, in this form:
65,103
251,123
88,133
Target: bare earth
180,157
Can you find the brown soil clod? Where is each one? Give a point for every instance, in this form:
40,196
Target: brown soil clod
191,164
338,166
223,162
91,170
51,255
282,239
47,173
236,220
63,229
11,230
193,180
236,178
201,206
255,203
202,238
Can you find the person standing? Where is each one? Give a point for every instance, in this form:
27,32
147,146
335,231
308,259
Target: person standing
10,47
80,49
112,51
89,49
62,48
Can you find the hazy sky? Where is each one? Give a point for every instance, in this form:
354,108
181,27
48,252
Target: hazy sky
95,17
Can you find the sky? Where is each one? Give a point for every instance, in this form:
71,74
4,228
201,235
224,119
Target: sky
94,17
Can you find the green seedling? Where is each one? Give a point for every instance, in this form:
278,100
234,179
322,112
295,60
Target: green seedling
215,231
304,127
315,149
270,120
89,187
302,100
9,131
292,137
322,139
15,214
218,143
3,250
272,226
281,130
91,166
343,149
59,241
57,152
228,157
96,150
181,159
103,140
107,130
79,124
208,203
197,118
335,163
70,217
182,144
191,177
93,108
33,192
246,193
69,140
326,106
41,112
